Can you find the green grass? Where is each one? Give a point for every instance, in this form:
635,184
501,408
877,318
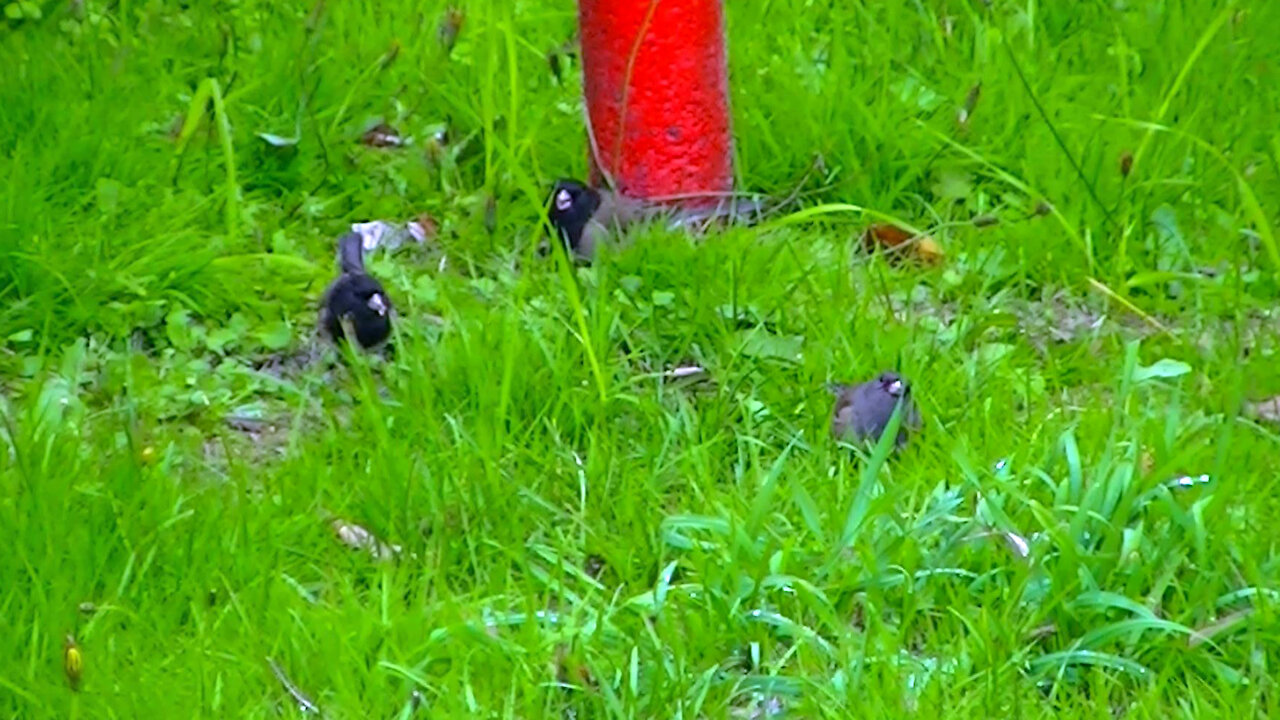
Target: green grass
581,536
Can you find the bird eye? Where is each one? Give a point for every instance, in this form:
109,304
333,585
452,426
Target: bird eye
563,200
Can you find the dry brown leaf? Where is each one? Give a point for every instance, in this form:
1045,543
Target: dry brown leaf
382,135
884,235
899,242
424,228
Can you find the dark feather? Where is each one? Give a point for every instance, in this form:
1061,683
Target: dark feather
351,253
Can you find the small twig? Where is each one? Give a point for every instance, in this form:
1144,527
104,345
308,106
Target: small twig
704,194
795,192
1053,130
246,424
1132,308
595,149
304,703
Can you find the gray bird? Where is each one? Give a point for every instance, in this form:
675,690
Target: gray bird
862,411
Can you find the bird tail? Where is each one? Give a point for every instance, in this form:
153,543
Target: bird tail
351,253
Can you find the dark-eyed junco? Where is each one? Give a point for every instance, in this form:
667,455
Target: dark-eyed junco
572,211
585,218
862,411
356,298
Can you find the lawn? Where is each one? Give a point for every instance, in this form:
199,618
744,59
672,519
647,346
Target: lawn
1087,524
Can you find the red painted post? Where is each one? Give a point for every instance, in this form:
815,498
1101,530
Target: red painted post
657,90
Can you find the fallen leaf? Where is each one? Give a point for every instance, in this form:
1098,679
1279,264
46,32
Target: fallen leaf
885,236
1267,410
684,371
382,234
382,135
929,251
358,538
900,242
424,228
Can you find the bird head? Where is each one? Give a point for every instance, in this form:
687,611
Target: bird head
893,384
368,293
570,208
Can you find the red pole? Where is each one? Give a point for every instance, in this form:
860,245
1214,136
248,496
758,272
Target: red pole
656,81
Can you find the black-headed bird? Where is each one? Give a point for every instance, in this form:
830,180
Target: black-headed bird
355,299
862,412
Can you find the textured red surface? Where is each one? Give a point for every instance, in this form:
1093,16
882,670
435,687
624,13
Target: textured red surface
657,90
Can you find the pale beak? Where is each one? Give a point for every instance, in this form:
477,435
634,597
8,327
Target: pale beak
377,304
895,388
563,200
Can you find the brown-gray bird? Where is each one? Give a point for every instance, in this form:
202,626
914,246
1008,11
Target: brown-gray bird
862,411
